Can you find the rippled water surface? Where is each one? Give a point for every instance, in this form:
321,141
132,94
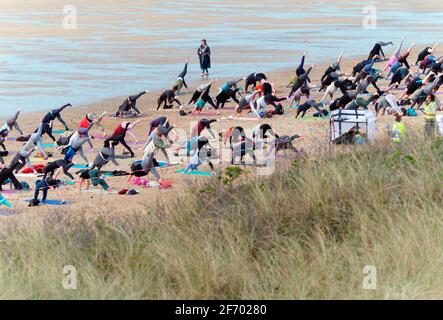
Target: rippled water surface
122,47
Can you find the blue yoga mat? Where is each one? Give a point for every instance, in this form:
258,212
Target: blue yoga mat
58,131
195,172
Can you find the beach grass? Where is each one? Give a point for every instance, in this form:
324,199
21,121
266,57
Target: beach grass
308,231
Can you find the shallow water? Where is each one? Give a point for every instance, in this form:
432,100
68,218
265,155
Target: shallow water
122,47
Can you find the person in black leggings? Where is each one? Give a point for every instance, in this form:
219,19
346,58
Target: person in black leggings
205,98
119,136
422,55
43,185
377,51
128,104
54,166
51,116
8,173
342,101
253,78
167,98
224,96
303,108
197,93
180,82
301,81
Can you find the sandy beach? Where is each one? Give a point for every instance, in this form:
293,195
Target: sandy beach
314,133
155,49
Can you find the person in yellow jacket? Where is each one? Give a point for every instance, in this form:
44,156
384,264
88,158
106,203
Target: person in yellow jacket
430,112
398,131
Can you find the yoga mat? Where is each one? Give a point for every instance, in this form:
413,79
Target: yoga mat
50,145
69,183
58,131
161,164
241,119
5,202
203,114
195,172
136,143
10,191
107,174
80,166
5,213
51,202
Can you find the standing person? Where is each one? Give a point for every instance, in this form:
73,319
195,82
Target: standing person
430,112
398,131
204,55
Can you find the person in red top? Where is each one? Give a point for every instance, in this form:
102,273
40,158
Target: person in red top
92,117
264,88
87,120
120,133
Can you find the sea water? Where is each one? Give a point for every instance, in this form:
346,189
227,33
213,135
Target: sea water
123,47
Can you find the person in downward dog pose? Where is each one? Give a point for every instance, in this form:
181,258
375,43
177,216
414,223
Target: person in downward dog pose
103,157
252,80
50,117
377,51
167,99
205,98
394,57
425,52
129,106
119,135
